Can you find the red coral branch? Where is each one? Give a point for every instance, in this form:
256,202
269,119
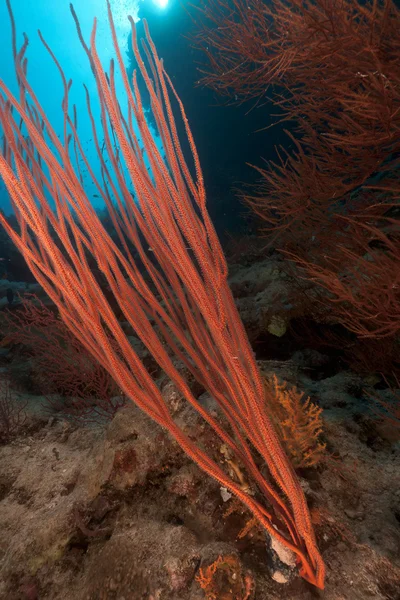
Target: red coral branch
337,67
363,282
61,365
331,203
182,306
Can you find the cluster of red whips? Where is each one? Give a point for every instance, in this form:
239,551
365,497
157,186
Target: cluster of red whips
176,298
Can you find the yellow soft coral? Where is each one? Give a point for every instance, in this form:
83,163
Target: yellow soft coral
298,422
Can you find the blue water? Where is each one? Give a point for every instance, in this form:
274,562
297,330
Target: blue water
58,28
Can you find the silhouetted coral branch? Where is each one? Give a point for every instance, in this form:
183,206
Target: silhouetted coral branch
12,412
